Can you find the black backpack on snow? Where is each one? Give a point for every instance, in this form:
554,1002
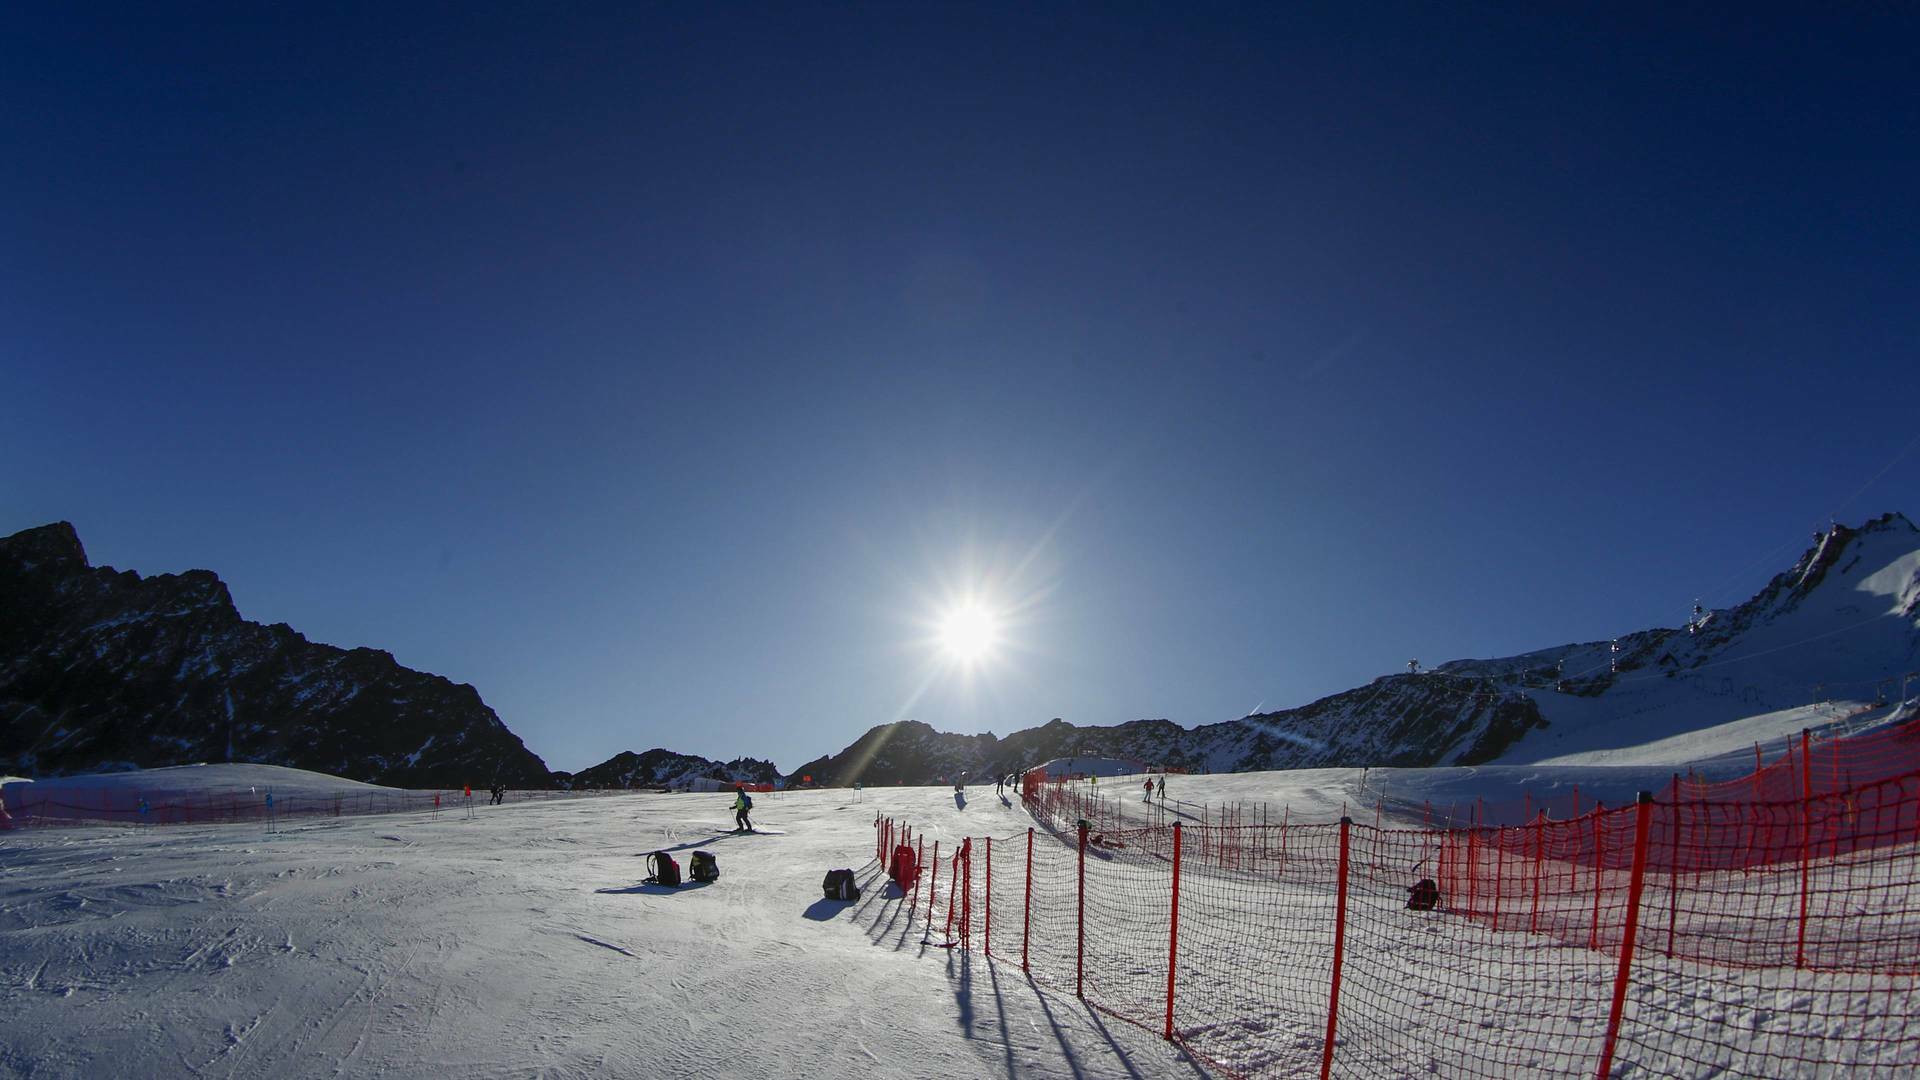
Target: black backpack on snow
839,885
703,867
665,870
1423,896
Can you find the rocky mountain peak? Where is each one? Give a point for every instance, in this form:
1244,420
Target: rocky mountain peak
54,546
103,669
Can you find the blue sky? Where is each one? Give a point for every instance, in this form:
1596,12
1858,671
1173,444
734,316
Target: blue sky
664,372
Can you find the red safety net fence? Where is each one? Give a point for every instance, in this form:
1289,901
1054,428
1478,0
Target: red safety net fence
1826,761
58,806
1811,764
1663,939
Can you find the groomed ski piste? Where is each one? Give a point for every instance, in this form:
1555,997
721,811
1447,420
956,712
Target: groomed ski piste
521,940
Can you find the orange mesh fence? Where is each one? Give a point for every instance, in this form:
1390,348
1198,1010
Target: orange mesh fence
1663,939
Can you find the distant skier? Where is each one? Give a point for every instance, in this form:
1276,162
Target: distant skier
1163,788
742,803
1149,786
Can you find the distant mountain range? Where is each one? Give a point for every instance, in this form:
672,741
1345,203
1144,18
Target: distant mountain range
100,669
1842,622
659,768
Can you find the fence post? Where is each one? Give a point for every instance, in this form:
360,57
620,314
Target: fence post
1599,879
986,945
1673,870
1473,870
1539,862
1642,816
1499,873
966,896
1173,929
1080,921
1339,954
953,888
933,885
1026,909
1806,831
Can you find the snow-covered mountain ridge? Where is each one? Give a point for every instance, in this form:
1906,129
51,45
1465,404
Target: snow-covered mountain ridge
1842,623
664,769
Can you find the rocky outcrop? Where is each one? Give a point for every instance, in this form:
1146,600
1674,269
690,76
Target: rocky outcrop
662,769
104,669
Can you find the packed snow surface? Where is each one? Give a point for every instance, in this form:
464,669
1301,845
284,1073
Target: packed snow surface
517,942
520,940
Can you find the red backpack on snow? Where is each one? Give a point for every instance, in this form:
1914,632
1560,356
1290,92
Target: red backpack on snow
906,869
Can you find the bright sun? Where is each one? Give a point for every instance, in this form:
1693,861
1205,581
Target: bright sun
968,632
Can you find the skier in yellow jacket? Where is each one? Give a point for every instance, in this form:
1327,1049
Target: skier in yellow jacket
741,804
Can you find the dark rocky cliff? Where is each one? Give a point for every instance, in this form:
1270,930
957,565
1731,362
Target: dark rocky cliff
102,669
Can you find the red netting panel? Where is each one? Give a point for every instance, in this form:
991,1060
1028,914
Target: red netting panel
1129,893
1781,939
1824,765
120,806
1462,987
1052,948
1003,897
1773,939
1255,958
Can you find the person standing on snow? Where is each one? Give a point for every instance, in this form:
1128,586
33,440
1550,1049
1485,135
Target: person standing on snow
1149,786
741,804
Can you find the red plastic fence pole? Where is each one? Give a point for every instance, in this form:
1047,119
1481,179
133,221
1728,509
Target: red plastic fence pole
1339,954
1473,871
1539,862
1080,921
1173,929
1026,909
966,896
933,885
1673,869
1599,879
986,945
1806,830
953,887
1641,819
1499,873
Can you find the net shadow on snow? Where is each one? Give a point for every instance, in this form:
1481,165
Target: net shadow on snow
880,910
960,972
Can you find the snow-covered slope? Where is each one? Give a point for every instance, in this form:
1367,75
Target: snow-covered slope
521,941
518,943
